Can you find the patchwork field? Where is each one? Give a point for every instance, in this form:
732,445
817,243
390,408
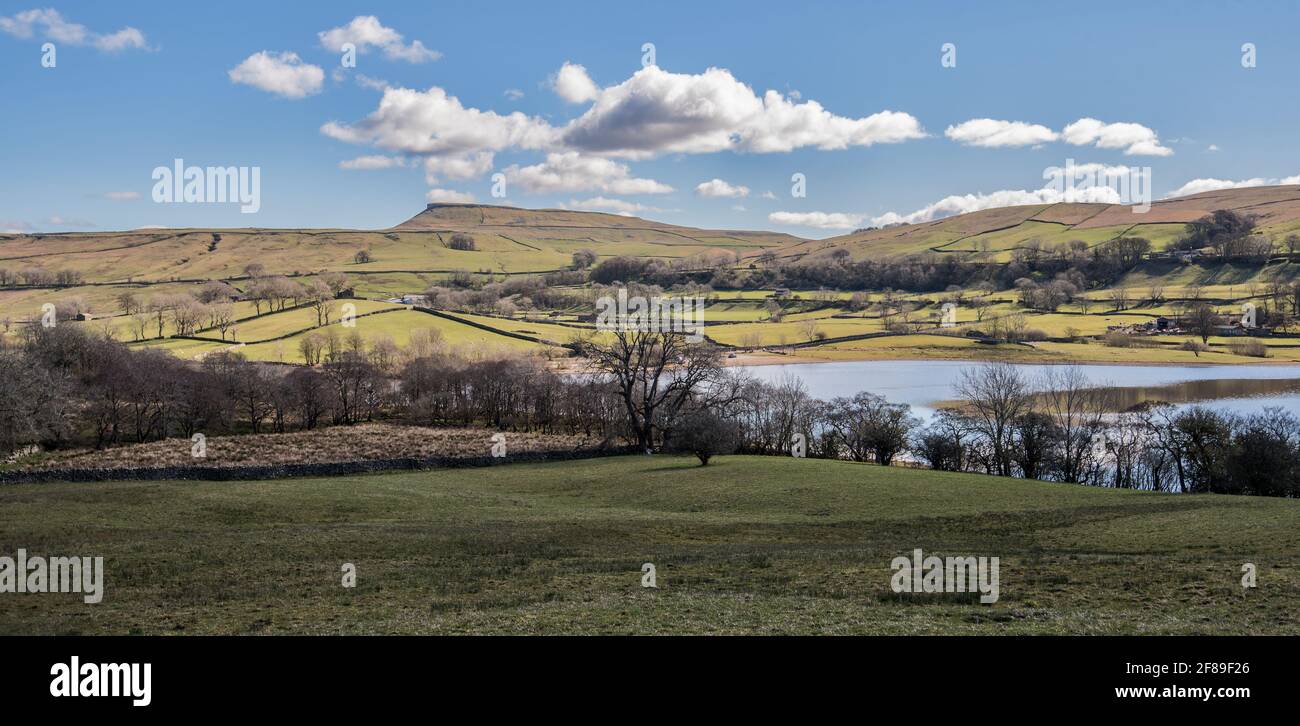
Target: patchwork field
746,545
418,253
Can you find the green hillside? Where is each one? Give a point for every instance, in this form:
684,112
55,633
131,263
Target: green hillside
746,545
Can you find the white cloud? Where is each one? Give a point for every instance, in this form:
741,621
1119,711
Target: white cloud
1213,147
122,196
50,25
656,112
1054,193
571,171
283,74
819,220
448,196
434,123
738,208
1051,194
366,32
572,84
1196,186
377,161
768,195
992,133
1135,139
514,94
652,112
123,39
374,84
459,166
618,206
720,188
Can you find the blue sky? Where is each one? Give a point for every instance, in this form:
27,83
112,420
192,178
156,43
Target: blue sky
890,131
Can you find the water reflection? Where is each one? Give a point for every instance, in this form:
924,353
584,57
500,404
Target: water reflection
925,384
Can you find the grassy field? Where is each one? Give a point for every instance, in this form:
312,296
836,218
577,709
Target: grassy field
398,326
746,545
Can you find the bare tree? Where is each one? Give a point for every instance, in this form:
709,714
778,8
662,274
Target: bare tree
1201,320
656,373
996,395
322,301
1078,408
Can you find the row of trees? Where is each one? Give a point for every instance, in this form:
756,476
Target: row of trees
1060,427
39,276
659,391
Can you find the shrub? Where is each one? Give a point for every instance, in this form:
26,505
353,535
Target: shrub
704,434
1124,340
1251,347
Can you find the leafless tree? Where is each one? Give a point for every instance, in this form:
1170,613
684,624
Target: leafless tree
656,373
996,394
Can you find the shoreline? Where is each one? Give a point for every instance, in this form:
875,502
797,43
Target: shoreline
747,360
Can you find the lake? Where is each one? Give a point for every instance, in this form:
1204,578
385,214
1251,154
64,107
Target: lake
921,384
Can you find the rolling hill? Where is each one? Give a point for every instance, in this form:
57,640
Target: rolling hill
511,240
992,234
418,252
507,240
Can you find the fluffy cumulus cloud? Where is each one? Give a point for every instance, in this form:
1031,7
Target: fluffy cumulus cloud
653,112
1196,186
448,196
572,84
992,133
48,24
1093,183
1134,139
434,123
720,188
365,32
965,203
571,171
656,112
818,220
283,74
458,166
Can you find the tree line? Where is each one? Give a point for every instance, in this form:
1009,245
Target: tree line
65,386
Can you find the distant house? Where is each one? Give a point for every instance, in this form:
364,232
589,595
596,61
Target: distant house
781,292
346,293
415,300
1229,331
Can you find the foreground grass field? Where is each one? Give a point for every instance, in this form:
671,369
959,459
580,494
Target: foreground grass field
746,545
